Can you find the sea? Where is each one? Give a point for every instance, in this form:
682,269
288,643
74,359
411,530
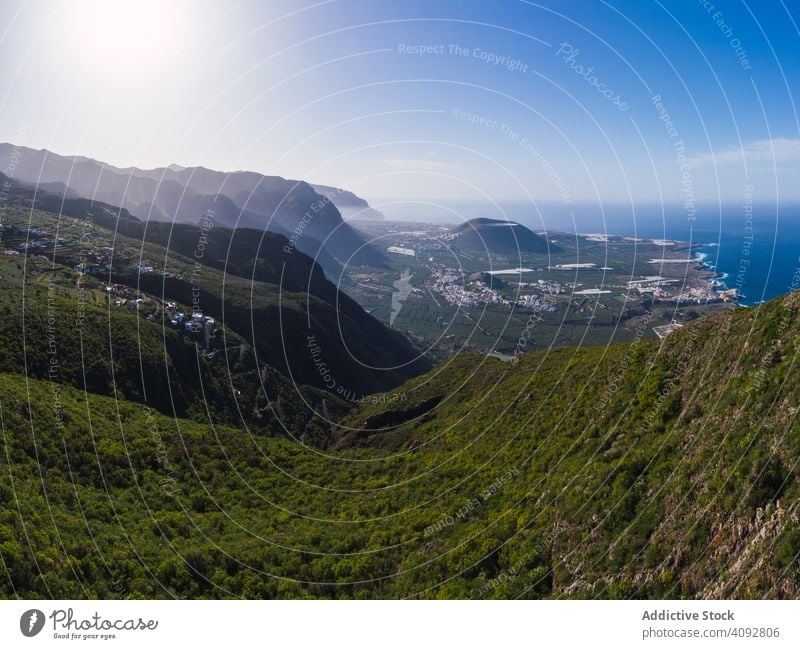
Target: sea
754,248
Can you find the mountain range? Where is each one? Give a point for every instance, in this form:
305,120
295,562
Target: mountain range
271,298
186,195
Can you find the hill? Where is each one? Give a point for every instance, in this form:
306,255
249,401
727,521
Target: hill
659,469
495,236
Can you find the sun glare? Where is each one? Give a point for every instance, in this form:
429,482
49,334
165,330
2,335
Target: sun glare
126,34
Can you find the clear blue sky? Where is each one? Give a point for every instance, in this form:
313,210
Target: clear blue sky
331,92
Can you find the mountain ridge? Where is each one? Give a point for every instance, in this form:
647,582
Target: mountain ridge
185,194
349,204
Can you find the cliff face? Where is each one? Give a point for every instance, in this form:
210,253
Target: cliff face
350,205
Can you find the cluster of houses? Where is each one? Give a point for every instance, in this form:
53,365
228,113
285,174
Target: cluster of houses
548,287
99,259
706,295
124,296
96,260
36,239
472,290
194,324
663,290
451,285
536,302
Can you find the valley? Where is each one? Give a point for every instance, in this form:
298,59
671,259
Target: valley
588,289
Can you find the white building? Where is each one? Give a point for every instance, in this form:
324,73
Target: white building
409,252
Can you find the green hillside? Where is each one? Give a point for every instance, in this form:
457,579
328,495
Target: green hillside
637,470
274,298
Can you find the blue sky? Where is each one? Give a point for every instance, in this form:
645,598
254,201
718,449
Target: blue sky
421,101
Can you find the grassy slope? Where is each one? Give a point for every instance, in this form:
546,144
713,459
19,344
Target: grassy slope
629,471
642,472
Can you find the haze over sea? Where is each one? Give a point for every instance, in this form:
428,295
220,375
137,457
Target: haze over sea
758,251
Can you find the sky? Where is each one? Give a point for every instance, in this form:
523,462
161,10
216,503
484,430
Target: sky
422,101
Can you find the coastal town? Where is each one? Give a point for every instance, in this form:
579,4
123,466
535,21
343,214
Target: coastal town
466,289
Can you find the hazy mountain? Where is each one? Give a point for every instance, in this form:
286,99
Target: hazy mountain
187,194
350,205
504,237
227,214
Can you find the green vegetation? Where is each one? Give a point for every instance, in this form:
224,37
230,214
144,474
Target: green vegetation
630,471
